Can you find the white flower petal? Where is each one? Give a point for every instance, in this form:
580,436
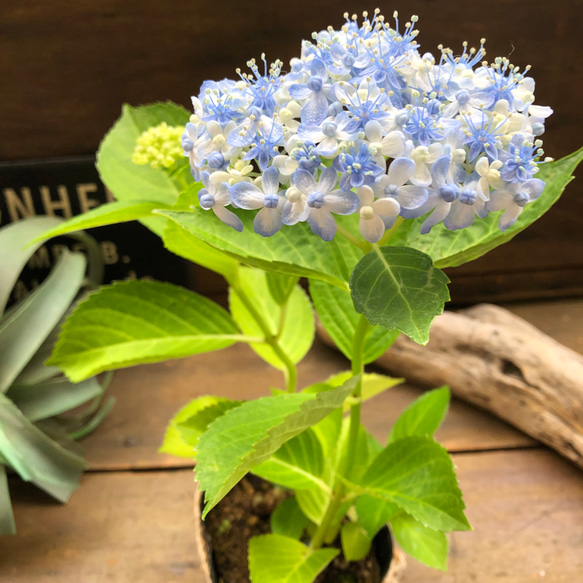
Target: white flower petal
372,229
303,181
247,196
322,224
341,202
267,222
400,171
228,217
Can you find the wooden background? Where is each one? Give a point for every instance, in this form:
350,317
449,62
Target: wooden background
66,68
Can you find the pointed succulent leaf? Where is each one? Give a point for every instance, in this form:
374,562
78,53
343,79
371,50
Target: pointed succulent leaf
424,544
336,310
7,524
15,253
397,287
26,327
296,333
246,436
136,322
423,416
36,457
417,474
296,563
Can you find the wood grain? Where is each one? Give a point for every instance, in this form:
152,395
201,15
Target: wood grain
526,508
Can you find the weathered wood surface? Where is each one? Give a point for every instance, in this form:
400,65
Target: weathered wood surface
148,396
494,359
526,508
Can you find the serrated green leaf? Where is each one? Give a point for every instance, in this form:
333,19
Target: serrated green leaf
137,322
281,286
373,384
373,513
108,214
298,464
192,428
53,397
295,335
288,520
313,504
7,524
356,542
397,287
423,416
36,457
338,316
453,248
26,327
292,250
424,544
296,563
417,474
246,436
13,240
174,442
129,181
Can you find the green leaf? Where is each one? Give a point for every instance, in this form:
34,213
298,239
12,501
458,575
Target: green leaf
136,322
107,214
373,384
336,311
296,334
7,524
373,513
356,542
422,543
36,457
246,436
174,443
129,181
194,426
295,562
13,240
292,250
313,504
281,286
297,464
417,474
399,288
53,397
288,519
423,416
185,244
26,327
453,248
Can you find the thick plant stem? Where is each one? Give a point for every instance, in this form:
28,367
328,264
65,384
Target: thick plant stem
335,502
290,373
362,329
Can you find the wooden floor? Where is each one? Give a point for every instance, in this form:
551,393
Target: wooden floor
131,521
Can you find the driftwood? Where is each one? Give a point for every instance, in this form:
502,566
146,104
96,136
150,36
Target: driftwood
494,359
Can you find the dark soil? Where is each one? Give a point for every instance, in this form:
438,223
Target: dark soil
245,513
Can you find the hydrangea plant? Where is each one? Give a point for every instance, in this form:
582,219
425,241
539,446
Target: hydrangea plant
366,168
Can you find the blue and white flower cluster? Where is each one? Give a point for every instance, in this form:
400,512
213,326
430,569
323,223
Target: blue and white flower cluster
363,123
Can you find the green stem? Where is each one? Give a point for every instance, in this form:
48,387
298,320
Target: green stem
290,373
337,498
363,245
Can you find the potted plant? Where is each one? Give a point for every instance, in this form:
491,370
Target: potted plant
41,412
365,169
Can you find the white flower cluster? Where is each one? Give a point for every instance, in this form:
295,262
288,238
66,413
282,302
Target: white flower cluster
364,123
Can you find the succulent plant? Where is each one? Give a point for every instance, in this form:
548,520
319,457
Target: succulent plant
41,412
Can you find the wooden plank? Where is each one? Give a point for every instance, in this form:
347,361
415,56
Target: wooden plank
119,527
148,396
527,512
526,508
